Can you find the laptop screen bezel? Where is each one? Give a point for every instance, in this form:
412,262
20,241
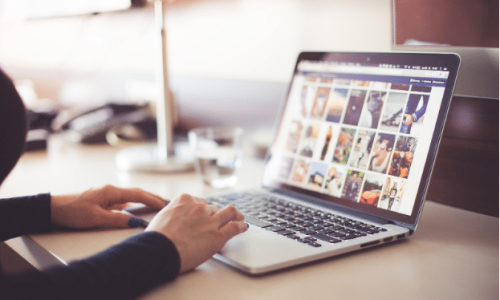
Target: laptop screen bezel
449,61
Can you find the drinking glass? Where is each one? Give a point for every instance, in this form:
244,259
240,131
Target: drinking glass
218,154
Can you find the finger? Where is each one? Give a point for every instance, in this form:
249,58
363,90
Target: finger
199,200
120,195
117,206
114,219
233,228
165,201
228,214
212,209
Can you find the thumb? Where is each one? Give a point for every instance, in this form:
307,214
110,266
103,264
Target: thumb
119,220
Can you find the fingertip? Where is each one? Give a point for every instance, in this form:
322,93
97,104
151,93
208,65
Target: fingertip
242,227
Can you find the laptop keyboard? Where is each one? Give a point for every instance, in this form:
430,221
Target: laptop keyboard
301,223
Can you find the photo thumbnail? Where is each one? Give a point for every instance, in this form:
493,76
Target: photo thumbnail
393,111
319,103
308,143
341,81
354,107
421,88
372,109
378,85
317,174
379,160
403,156
362,148
326,143
352,185
414,114
400,86
392,194
300,170
294,133
372,189
305,103
361,83
344,146
285,167
337,105
311,79
334,180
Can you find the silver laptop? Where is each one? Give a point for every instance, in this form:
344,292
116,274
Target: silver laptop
351,159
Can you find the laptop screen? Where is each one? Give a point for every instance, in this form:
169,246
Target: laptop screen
361,130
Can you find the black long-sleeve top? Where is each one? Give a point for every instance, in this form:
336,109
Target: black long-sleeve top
124,271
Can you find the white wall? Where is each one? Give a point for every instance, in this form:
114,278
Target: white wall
238,39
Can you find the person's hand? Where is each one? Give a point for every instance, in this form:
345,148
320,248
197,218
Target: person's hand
99,207
197,230
408,119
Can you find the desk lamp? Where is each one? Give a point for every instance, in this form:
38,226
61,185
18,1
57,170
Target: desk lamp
165,156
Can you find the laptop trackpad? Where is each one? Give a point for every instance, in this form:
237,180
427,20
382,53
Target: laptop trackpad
258,248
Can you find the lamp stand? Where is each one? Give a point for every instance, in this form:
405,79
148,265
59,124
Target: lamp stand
166,155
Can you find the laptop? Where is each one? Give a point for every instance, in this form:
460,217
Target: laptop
351,159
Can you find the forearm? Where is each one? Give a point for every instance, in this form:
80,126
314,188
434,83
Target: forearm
124,271
24,215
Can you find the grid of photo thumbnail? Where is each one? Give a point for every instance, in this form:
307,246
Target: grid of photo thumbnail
354,139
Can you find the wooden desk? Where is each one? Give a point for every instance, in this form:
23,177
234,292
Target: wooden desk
452,255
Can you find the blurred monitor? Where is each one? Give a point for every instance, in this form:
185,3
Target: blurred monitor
469,28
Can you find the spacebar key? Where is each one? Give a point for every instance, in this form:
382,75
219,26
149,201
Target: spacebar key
325,238
257,222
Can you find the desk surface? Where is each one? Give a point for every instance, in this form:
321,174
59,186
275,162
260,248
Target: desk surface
452,255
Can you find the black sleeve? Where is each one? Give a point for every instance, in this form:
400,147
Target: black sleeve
24,215
124,271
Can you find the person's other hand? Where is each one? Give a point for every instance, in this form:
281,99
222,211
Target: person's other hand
99,207
197,230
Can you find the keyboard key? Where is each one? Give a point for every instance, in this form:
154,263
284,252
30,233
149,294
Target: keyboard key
314,244
281,223
308,232
286,232
275,228
325,238
337,234
309,238
368,230
257,222
336,227
348,237
307,224
327,231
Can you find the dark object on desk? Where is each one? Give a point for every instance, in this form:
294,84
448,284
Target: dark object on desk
465,173
39,129
90,126
36,139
